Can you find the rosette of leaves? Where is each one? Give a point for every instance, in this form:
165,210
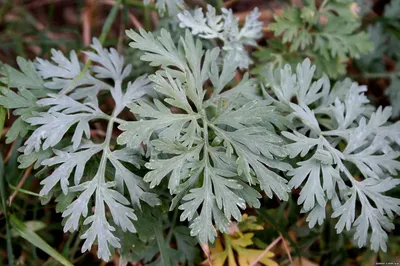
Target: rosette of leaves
346,152
208,144
328,34
56,102
225,28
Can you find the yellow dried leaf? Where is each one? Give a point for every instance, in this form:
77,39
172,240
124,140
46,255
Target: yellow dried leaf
218,254
243,241
303,262
249,223
235,247
247,256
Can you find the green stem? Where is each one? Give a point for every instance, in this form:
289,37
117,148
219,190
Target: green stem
106,150
220,3
109,21
3,113
109,117
119,121
4,9
34,249
377,75
67,245
171,229
147,22
161,245
22,230
24,191
3,196
75,247
140,4
206,143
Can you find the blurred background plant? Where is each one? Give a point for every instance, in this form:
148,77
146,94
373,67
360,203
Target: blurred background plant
276,234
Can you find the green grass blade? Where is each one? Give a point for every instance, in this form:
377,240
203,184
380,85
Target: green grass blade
139,4
36,240
6,6
109,21
3,193
3,113
5,213
24,191
104,32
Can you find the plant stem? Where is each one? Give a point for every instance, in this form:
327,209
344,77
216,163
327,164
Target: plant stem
29,235
139,4
3,192
171,229
147,22
228,247
3,113
280,228
254,263
322,6
10,254
4,9
27,192
377,75
161,245
20,184
106,149
75,247
220,3
109,21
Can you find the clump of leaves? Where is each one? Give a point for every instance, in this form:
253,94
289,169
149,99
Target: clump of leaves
225,28
206,149
238,241
345,150
328,34
214,145
45,109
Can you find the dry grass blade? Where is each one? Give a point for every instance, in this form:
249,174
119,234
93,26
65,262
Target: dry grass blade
4,132
10,152
135,21
86,22
286,248
254,263
206,250
20,184
230,3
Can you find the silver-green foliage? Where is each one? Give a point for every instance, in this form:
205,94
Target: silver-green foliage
45,109
345,152
225,27
214,143
207,145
